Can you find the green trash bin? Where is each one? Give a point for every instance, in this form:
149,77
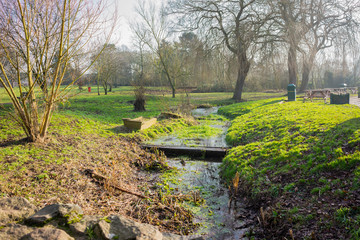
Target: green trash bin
291,88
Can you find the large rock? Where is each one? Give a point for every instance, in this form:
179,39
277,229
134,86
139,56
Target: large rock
14,231
15,209
69,211
85,224
47,234
118,227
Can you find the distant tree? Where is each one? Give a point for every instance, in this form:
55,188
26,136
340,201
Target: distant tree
240,25
39,40
140,74
327,21
308,26
291,17
106,65
155,27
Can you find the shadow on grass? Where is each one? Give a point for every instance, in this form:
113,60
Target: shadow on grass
120,129
269,103
8,143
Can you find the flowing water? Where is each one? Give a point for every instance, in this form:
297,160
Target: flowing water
216,220
201,178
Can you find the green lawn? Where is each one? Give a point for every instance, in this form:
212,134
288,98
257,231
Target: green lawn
304,158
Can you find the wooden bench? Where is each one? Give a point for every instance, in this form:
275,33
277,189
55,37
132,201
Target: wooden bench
351,90
317,93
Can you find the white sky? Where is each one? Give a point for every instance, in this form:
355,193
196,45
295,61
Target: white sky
126,12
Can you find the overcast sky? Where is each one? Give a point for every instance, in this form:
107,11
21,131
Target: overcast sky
126,11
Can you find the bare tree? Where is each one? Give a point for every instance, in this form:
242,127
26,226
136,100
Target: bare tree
106,65
308,26
39,39
155,27
239,24
326,22
140,75
291,17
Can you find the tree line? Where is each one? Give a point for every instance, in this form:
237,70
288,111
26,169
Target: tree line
242,45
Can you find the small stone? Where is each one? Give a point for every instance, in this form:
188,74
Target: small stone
15,209
118,227
240,224
15,231
47,234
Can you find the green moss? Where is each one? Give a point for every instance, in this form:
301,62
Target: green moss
349,218
199,131
290,187
73,217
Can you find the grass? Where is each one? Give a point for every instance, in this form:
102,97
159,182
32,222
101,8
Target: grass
294,154
87,133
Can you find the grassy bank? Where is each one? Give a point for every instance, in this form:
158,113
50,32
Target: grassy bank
299,162
87,133
58,172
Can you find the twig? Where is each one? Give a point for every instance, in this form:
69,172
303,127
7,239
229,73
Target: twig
98,176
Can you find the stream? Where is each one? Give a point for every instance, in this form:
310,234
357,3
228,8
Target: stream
213,141
199,177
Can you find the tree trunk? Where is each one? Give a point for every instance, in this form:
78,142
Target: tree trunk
98,86
243,70
139,105
173,92
307,67
292,65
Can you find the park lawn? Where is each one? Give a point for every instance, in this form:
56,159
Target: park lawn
300,163
117,104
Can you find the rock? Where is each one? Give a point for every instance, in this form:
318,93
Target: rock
240,224
14,231
171,236
47,234
46,214
72,212
81,227
118,227
15,209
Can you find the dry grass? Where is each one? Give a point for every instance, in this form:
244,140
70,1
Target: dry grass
55,172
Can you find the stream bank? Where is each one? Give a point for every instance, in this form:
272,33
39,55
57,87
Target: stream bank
211,205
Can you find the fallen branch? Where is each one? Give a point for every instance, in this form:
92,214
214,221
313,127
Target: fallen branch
98,176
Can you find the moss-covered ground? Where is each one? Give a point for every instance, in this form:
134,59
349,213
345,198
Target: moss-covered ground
299,164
